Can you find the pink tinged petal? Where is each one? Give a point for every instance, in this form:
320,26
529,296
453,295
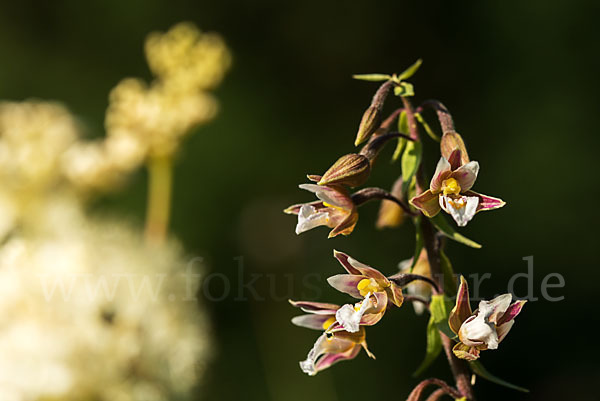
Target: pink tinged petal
466,175
427,202
333,195
314,177
346,283
329,359
314,322
442,171
309,218
463,351
503,329
461,209
486,202
343,258
355,267
367,270
315,307
455,159
462,309
493,310
512,311
295,209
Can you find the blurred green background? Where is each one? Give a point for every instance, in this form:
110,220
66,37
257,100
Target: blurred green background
521,81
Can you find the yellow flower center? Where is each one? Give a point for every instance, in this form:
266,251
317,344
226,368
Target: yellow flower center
328,323
450,187
368,285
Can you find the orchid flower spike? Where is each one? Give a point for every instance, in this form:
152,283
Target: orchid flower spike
334,209
450,187
335,344
486,327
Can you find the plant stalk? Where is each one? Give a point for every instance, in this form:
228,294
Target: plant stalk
159,198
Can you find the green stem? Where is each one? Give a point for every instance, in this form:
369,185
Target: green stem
159,198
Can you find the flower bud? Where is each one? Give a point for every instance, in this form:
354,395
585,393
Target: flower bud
351,170
371,120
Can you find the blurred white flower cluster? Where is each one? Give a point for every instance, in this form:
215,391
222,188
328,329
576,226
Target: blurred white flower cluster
89,310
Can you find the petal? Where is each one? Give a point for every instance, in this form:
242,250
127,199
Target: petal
452,141
455,159
329,359
346,226
333,195
349,317
314,177
314,322
315,307
309,218
511,312
494,309
442,171
464,352
503,329
355,267
395,295
346,283
486,202
427,202
466,175
462,308
461,209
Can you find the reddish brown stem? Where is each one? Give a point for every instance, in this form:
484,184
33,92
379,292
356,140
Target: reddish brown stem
436,395
444,117
417,392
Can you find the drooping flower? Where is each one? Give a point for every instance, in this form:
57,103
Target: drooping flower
335,344
450,189
334,209
369,285
486,327
418,287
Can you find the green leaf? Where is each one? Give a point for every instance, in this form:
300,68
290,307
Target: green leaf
440,222
434,347
411,158
404,89
372,77
403,129
439,308
410,71
450,283
427,128
479,370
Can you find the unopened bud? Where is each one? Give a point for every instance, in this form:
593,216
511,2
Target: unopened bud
368,125
351,170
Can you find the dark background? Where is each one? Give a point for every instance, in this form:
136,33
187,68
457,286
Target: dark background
521,81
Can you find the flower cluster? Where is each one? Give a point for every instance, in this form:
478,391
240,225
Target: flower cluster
344,326
90,309
427,277
150,120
